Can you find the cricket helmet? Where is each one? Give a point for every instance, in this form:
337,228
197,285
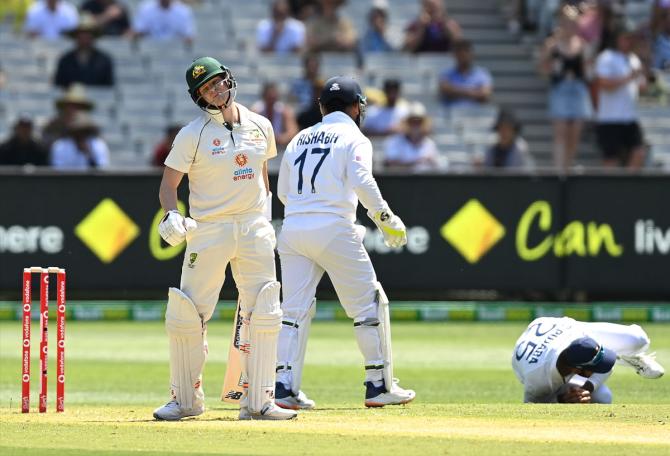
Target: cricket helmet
342,91
202,70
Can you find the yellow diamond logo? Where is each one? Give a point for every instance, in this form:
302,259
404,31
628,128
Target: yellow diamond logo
473,231
107,230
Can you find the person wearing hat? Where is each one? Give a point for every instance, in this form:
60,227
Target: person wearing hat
21,148
326,169
85,64
225,152
67,106
82,148
386,118
412,148
564,360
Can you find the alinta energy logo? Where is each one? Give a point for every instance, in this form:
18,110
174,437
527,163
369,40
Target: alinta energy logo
473,231
107,230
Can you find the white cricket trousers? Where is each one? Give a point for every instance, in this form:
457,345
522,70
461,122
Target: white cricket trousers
246,242
310,245
623,340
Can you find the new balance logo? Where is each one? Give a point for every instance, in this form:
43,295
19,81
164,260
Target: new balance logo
235,395
334,87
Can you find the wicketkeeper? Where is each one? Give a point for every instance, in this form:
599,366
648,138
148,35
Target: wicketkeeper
224,151
325,171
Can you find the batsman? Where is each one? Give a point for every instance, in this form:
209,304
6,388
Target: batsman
224,151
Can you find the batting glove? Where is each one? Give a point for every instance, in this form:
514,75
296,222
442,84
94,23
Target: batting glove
394,231
174,226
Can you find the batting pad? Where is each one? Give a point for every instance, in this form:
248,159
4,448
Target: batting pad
187,349
385,335
303,334
264,326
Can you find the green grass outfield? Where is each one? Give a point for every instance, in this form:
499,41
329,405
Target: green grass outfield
468,399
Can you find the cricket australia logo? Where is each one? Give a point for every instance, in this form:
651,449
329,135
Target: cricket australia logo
199,70
191,260
334,87
241,160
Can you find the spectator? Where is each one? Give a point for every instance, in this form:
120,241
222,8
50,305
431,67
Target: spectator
510,149
280,115
302,9
164,20
74,100
15,11
433,30
386,119
661,47
301,91
282,33
328,31
374,39
658,10
82,148
110,15
21,148
620,75
163,148
47,19
85,63
312,115
412,148
465,84
563,61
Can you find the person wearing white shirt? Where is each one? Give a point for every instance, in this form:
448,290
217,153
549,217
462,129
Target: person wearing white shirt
564,360
282,33
164,20
224,151
412,148
326,169
383,120
82,148
48,19
619,76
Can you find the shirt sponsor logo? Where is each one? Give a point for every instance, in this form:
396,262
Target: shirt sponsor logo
218,151
216,142
257,137
244,173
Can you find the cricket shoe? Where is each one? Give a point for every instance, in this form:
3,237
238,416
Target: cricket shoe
286,399
377,396
172,411
269,412
645,364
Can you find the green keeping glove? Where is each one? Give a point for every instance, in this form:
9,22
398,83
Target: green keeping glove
394,231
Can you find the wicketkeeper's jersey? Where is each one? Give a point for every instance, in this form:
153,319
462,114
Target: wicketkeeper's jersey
326,169
224,167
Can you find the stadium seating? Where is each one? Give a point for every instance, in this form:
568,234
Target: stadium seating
150,91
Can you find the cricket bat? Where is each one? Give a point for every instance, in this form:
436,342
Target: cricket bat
233,383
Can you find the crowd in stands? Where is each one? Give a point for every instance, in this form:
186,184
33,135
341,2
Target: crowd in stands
595,60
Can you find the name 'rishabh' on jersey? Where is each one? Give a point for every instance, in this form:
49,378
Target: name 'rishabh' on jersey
536,353
324,165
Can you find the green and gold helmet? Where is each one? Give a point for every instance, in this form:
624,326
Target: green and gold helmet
201,71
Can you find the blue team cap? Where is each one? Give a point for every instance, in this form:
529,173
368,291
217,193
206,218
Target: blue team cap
586,353
342,88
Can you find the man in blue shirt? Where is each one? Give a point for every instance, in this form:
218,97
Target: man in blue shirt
465,84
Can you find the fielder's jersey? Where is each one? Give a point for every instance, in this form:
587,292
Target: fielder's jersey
224,167
536,352
326,169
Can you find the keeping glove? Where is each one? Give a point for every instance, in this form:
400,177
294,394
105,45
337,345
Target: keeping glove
394,231
174,226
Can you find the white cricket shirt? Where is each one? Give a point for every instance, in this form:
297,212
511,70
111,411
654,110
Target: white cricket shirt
224,167
619,105
326,168
536,352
